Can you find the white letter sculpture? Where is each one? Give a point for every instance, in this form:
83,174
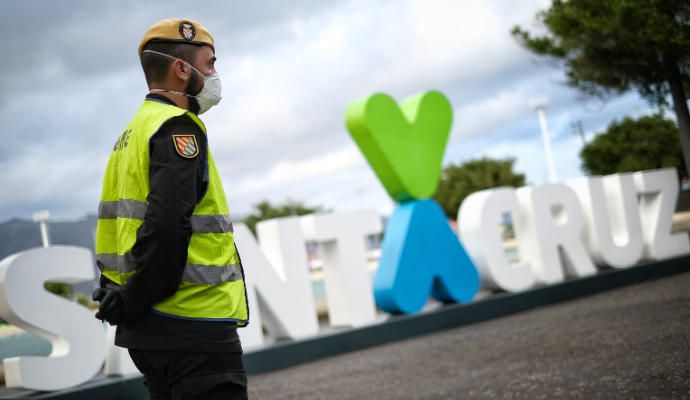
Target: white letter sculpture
479,230
348,285
658,195
551,229
78,339
610,207
277,278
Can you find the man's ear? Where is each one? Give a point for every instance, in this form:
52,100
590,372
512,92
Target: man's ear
181,70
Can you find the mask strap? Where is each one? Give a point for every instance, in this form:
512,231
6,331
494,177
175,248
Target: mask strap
174,58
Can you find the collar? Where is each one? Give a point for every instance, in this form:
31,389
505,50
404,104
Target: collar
159,99
162,99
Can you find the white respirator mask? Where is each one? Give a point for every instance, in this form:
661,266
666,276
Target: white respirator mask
210,93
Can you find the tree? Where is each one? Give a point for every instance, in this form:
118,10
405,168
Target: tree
611,47
59,288
264,210
632,145
459,181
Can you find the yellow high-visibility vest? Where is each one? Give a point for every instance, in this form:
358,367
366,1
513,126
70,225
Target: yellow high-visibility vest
212,285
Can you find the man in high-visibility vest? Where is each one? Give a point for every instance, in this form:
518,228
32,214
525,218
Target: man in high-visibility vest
171,276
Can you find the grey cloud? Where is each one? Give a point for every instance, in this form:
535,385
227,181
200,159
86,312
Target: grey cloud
73,81
82,38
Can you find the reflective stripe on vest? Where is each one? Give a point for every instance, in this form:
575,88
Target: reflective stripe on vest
134,209
194,273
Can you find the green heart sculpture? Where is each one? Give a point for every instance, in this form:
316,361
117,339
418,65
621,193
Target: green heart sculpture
404,145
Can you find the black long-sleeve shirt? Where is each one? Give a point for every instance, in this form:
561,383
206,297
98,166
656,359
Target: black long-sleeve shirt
177,184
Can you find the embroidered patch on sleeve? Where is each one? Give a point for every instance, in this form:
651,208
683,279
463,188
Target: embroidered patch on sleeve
186,145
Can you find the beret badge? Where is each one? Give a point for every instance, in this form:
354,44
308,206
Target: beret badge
187,30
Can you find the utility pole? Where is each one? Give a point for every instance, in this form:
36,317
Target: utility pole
539,105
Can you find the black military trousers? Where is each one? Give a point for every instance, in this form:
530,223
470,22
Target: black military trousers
179,375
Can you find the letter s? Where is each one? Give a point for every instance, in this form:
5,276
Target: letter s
77,338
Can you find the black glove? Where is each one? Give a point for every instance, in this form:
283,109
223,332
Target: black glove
112,308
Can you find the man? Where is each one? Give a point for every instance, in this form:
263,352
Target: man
171,277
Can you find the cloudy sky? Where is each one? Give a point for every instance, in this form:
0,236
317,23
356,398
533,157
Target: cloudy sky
71,81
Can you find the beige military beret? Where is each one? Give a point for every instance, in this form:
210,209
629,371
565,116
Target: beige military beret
177,30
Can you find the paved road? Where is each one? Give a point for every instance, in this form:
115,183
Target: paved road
630,343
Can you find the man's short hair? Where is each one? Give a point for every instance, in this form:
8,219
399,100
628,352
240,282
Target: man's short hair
156,66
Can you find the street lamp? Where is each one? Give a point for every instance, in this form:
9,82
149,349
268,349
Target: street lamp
41,217
539,105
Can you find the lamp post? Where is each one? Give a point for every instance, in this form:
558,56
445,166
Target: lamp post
539,105
41,217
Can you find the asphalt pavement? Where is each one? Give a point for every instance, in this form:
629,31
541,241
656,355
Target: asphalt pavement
629,343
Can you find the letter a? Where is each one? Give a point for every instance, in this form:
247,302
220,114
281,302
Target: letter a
422,256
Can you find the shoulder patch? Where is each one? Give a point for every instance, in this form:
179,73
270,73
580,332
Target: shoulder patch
186,145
